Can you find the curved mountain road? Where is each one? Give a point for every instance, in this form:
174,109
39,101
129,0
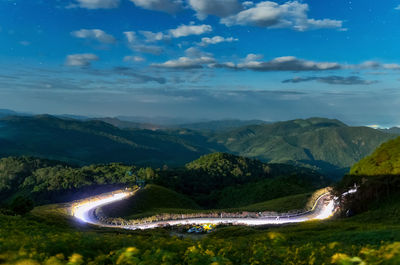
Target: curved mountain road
324,208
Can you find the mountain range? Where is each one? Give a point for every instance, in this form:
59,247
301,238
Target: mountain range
327,145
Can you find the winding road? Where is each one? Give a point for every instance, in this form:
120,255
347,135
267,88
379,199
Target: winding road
324,208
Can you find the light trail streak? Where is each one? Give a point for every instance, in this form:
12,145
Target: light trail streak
321,210
82,211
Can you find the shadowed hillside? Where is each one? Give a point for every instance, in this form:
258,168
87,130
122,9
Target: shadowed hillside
377,177
86,142
328,145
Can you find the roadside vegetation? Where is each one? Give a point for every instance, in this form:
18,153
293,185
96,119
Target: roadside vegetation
369,237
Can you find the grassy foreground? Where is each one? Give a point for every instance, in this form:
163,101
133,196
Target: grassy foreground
370,238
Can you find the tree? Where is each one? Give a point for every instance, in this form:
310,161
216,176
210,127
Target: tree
21,205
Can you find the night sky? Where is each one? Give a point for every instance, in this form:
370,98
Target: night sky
203,59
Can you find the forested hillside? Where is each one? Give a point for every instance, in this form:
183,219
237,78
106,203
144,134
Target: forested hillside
377,177
87,142
322,144
209,181
328,145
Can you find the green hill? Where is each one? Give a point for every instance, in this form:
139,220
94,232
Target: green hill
87,142
377,176
385,160
223,180
149,199
328,145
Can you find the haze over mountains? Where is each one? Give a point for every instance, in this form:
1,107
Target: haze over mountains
324,144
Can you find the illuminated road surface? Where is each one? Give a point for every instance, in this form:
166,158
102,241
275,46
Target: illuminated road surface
324,208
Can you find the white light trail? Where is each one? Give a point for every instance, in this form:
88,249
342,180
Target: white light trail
321,210
82,211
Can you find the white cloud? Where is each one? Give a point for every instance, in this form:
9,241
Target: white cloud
94,34
247,4
391,66
287,63
83,59
215,40
169,6
136,59
288,15
220,8
130,36
186,63
138,46
253,57
375,65
96,4
397,7
187,30
154,36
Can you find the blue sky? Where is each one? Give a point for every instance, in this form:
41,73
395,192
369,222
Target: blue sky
203,59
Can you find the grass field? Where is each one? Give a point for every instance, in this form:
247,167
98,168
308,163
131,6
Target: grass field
369,237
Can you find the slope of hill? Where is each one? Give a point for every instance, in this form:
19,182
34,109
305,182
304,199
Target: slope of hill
151,198
225,180
377,177
326,144
129,124
86,142
385,160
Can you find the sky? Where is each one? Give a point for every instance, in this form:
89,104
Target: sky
203,59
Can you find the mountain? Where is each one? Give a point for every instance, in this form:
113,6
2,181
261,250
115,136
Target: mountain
7,112
393,130
86,142
326,144
220,125
130,124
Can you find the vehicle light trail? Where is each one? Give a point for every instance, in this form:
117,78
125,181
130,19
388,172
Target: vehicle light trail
82,211
324,208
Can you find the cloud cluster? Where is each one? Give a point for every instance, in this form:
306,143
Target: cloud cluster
142,45
269,14
135,44
220,8
94,34
187,30
287,63
332,80
96,4
377,65
215,40
186,63
154,36
83,59
168,6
